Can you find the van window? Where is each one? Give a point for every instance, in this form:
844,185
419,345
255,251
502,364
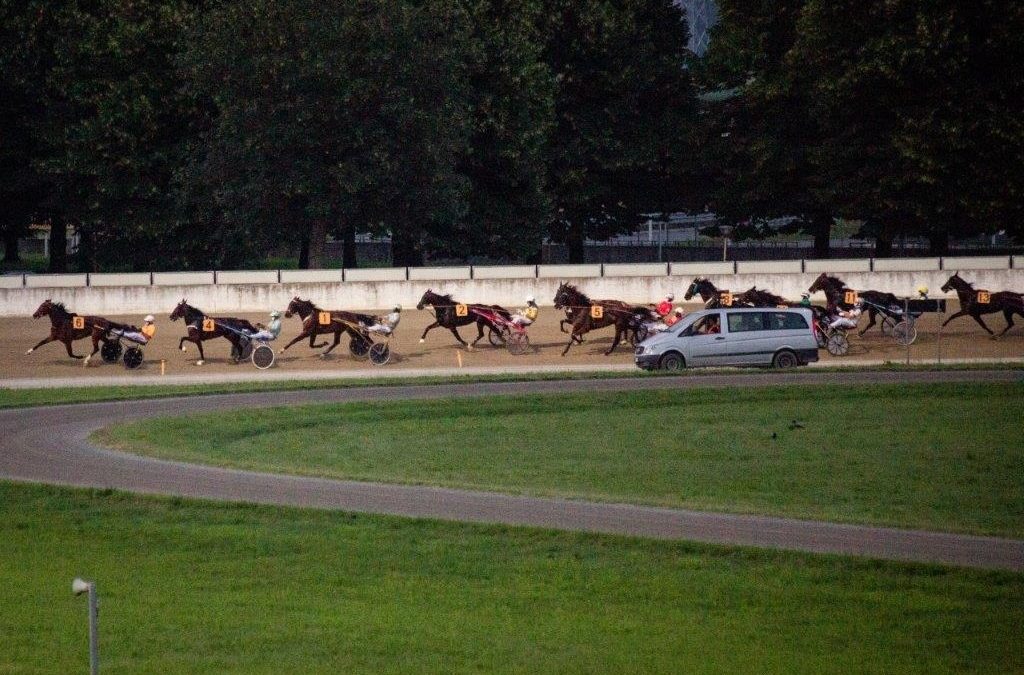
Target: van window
785,321
742,322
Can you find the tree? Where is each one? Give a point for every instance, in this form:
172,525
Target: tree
624,107
335,117
761,136
921,106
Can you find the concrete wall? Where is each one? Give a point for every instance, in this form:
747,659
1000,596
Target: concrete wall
438,273
1000,262
906,264
182,278
310,276
12,281
136,279
701,269
228,298
568,271
838,265
769,267
505,272
254,277
381,274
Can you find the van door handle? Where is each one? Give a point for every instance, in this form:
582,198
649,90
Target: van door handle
720,337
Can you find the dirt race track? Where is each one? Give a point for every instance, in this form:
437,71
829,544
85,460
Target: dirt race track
962,339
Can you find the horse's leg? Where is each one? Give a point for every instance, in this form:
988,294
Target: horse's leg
199,344
479,333
459,337
615,342
1008,315
312,341
337,339
423,338
871,321
67,345
955,316
95,347
573,338
977,317
45,340
300,338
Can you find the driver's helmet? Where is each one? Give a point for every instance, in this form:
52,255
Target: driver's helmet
922,291
398,308
149,318
679,311
805,295
530,299
670,297
274,314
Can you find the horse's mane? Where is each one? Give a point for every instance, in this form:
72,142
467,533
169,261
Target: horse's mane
59,306
581,297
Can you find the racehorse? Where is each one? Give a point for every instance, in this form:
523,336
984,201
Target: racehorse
835,292
226,327
447,317
1007,302
62,328
340,322
711,296
623,316
761,298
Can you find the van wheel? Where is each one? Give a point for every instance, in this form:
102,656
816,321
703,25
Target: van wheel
672,362
784,360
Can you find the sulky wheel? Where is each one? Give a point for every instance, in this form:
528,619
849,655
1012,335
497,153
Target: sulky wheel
838,344
111,351
262,356
494,337
132,358
359,347
380,353
905,332
820,335
518,343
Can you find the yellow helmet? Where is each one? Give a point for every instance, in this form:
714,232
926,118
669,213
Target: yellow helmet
922,290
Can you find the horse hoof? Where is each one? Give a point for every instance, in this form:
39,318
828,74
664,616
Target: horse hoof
200,362
183,348
87,359
422,340
29,351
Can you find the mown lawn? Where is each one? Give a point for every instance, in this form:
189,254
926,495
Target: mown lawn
944,457
191,587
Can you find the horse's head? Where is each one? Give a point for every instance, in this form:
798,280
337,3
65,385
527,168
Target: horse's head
568,295
820,284
44,309
298,306
955,283
433,299
180,311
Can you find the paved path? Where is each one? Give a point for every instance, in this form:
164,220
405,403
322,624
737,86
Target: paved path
50,445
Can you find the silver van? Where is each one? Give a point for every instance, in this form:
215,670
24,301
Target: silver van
754,336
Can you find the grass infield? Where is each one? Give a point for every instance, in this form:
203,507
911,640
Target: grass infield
21,398
193,587
935,456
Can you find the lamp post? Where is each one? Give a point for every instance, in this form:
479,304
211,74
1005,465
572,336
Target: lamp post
726,230
78,587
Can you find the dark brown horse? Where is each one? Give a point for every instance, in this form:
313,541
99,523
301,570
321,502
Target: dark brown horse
835,293
623,316
755,297
1007,302
338,323
202,328
63,327
446,315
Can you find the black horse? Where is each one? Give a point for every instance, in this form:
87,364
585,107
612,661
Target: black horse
1007,302
835,293
447,316
711,295
625,317
197,323
339,322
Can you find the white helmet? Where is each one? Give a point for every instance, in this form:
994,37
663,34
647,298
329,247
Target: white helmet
805,294
149,318
670,297
679,311
530,298
398,308
274,314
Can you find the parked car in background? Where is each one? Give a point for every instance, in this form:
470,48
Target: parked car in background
781,338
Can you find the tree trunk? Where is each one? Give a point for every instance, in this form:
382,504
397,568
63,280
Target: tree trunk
58,246
304,253
348,247
575,242
11,253
86,250
317,244
821,226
